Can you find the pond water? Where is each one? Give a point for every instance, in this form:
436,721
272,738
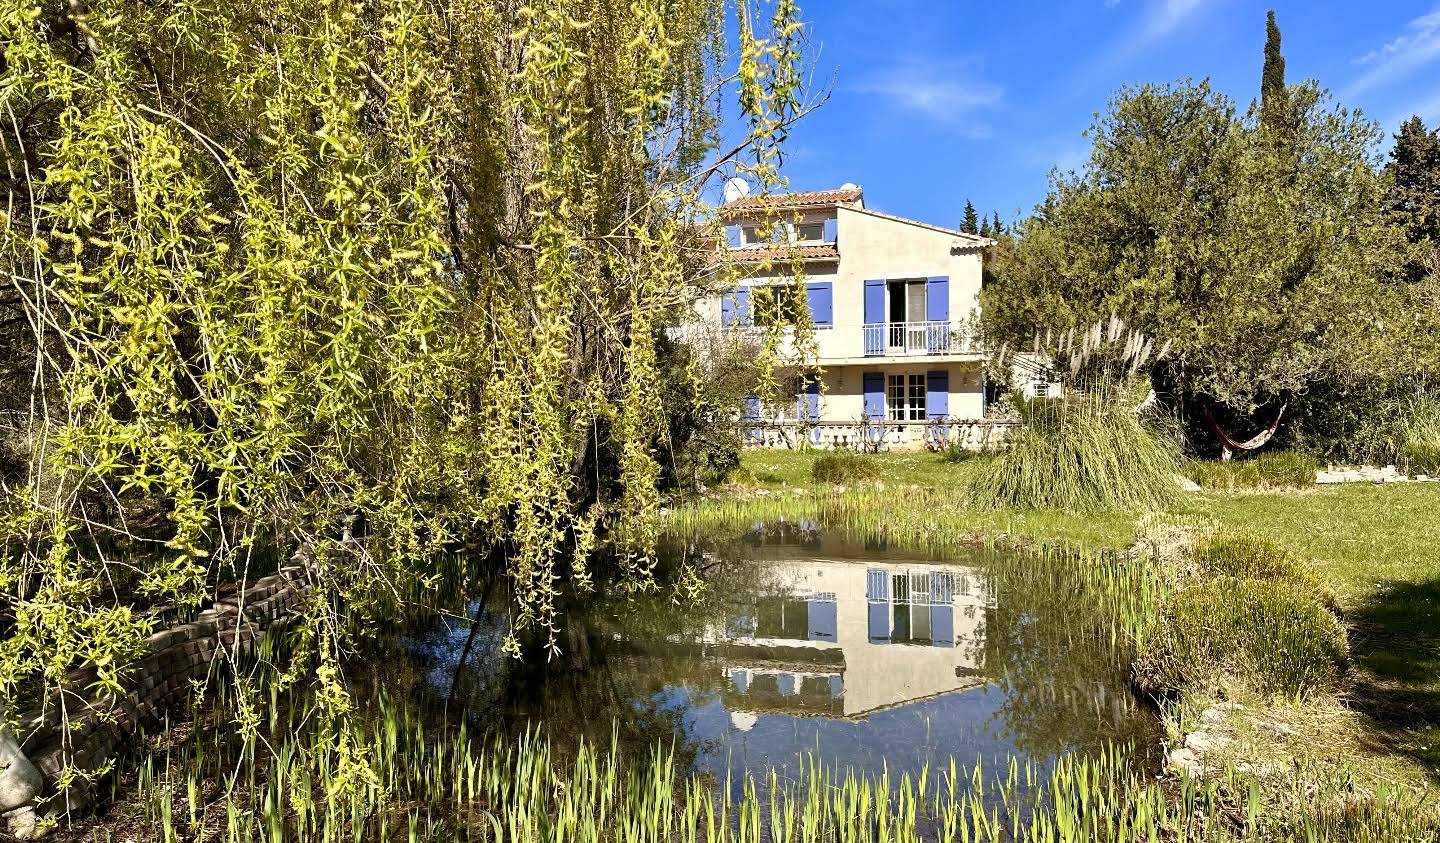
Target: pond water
801,644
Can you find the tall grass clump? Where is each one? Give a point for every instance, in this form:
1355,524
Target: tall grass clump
843,466
1270,635
1099,447
1271,470
1419,451
1226,553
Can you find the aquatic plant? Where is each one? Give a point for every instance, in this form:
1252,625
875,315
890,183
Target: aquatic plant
444,784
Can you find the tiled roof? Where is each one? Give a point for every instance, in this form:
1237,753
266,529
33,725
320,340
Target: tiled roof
826,252
840,196
976,239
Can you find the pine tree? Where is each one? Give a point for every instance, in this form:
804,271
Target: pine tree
1275,112
971,225
996,229
1413,200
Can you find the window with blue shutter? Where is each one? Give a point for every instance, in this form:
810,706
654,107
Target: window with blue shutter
874,395
821,298
732,236
808,404
830,230
735,308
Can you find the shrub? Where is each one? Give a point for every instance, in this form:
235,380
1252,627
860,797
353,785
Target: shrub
1276,470
1082,454
843,466
1286,469
1271,635
1247,556
956,453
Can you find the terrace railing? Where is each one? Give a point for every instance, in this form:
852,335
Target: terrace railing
910,338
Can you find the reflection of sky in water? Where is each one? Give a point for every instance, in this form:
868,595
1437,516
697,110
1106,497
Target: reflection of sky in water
857,658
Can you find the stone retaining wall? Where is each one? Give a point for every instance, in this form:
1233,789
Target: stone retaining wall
81,730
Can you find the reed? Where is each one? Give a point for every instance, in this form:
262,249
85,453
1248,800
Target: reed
425,784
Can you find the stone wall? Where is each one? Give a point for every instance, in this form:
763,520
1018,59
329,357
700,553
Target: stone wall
82,730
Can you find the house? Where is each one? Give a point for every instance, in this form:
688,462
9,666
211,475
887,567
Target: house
893,301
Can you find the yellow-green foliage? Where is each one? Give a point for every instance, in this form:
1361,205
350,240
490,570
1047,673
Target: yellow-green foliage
1240,554
843,466
1272,636
1277,470
286,263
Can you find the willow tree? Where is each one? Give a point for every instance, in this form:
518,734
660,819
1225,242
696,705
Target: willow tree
278,272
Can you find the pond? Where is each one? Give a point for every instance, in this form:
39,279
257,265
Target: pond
802,644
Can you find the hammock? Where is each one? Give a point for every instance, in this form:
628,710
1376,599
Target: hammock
1228,445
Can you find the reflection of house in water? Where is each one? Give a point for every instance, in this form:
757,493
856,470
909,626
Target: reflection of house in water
848,638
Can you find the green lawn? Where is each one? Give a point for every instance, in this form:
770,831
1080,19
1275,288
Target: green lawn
1375,545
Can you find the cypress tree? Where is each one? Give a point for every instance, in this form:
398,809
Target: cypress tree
996,229
971,225
985,228
1274,101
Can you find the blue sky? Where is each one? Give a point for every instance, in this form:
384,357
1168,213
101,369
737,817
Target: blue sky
934,101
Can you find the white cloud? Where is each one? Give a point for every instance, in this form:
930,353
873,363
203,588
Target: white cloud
1164,17
1417,46
939,90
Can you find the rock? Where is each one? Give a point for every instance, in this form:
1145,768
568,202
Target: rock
20,781
24,824
1205,742
1274,727
1182,760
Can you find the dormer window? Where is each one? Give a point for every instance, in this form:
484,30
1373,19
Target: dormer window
810,232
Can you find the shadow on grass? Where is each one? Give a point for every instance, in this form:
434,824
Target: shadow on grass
1396,650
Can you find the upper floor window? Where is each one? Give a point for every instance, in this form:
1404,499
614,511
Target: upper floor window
776,305
810,232
779,233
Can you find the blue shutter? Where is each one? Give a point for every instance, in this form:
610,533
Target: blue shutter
937,298
942,626
727,309
755,435
823,623
937,309
821,297
875,316
830,229
808,404
732,236
742,306
877,595
874,395
937,394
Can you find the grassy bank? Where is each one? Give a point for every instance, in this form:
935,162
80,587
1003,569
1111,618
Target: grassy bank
1371,546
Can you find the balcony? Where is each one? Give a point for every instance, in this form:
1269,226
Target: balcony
904,339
